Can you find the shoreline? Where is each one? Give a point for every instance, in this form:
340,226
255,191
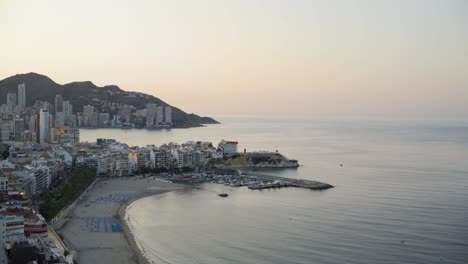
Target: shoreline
121,214
151,128
97,230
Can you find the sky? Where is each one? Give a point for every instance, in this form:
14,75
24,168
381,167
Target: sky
275,57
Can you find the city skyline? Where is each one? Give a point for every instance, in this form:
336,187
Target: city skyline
358,57
241,131
43,122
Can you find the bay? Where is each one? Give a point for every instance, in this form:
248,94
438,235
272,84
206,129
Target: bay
401,195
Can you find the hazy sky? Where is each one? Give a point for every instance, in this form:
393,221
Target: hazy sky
251,56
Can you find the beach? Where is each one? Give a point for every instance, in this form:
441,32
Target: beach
96,229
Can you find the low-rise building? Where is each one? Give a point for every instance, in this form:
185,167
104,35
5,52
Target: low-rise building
14,227
228,147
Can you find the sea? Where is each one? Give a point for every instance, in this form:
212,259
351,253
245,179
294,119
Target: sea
400,196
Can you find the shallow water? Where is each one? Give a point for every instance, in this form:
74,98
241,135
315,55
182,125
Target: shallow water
400,197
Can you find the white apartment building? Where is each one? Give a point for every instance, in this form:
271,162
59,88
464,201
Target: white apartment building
21,96
40,176
14,227
228,147
44,126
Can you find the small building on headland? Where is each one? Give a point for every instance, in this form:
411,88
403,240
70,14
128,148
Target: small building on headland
228,147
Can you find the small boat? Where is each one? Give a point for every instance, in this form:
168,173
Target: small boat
223,195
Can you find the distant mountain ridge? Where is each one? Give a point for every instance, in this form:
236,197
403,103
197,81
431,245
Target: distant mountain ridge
41,87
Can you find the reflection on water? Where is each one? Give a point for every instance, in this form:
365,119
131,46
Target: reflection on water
400,196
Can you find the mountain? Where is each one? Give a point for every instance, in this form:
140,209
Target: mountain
41,87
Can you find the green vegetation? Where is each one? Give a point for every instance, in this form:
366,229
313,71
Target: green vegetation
159,170
56,200
5,154
143,170
186,169
247,160
5,150
269,158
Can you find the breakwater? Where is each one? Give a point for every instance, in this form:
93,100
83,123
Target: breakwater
281,182
253,181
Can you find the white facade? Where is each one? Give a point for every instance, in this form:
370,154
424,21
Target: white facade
121,167
22,96
103,166
39,175
44,118
14,227
228,147
152,159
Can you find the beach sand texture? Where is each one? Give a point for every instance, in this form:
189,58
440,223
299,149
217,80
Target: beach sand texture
96,230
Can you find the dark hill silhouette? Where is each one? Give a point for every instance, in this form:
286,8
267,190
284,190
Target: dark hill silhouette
41,87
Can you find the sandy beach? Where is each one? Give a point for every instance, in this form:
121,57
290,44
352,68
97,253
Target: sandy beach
96,229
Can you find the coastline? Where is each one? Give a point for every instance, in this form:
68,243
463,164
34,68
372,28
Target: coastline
129,237
96,229
153,128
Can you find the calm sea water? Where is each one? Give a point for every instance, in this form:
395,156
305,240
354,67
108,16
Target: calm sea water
400,197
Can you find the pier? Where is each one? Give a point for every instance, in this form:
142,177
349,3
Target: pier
281,182
251,180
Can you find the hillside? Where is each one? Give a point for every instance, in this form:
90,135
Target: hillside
40,87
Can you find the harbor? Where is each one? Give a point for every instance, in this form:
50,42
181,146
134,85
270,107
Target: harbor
253,181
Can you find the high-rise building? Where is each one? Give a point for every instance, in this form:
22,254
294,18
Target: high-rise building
44,118
88,110
18,127
58,103
168,115
90,117
22,96
33,123
150,114
11,102
59,119
104,119
3,108
68,135
159,115
67,108
6,129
